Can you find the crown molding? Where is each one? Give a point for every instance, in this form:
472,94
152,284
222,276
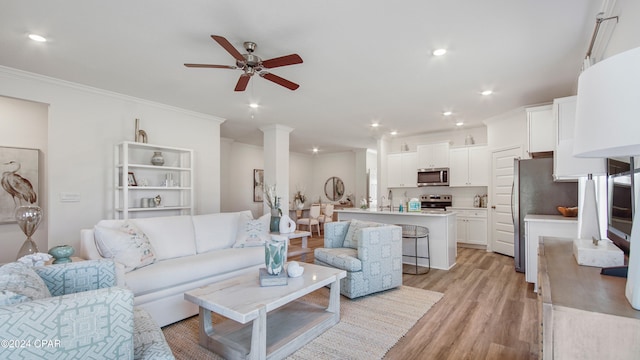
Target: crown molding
25,75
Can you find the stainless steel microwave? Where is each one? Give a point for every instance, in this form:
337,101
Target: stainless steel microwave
433,177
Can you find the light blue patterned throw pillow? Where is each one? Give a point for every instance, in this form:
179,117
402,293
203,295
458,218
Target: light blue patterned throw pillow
350,239
19,283
252,232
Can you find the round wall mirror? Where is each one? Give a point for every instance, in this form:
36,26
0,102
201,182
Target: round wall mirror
334,188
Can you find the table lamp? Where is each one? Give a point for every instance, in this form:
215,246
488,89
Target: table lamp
608,125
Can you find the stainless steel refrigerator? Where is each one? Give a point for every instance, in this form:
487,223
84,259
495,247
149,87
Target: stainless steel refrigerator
535,192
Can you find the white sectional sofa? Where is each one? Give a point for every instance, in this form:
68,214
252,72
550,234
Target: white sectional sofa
190,251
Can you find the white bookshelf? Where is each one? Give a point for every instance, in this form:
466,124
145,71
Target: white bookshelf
177,197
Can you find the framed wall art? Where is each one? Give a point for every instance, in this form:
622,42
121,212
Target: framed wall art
19,168
258,182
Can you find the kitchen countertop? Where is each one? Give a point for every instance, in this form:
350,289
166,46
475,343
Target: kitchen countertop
465,208
550,218
428,213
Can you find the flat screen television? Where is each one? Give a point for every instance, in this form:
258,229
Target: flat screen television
621,206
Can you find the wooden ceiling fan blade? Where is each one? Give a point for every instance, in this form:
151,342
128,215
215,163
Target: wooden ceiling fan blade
242,82
282,61
280,81
211,66
227,46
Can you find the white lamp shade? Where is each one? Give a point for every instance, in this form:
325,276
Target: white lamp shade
608,108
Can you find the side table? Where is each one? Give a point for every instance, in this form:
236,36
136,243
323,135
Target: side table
294,250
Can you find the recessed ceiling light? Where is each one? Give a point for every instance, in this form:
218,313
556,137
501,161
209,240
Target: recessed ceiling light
447,113
439,52
253,105
394,132
315,150
486,93
38,38
459,123
375,125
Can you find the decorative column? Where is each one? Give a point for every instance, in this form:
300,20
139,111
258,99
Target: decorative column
276,162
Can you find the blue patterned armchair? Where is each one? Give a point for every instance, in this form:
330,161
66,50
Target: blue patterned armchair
371,253
79,313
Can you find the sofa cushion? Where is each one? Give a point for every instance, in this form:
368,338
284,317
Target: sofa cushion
216,231
341,258
126,245
170,236
174,272
350,239
19,283
252,232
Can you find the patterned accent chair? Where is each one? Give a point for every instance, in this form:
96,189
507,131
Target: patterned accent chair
78,313
371,253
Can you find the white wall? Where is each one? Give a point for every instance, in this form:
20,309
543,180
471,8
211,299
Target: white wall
342,165
237,175
625,34
24,125
84,124
456,137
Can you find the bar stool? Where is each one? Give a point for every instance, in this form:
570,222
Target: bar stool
416,232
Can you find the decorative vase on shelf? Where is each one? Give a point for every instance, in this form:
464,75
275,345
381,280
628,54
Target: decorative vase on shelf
275,254
157,159
28,218
274,225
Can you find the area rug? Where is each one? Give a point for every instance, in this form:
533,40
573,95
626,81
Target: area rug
368,327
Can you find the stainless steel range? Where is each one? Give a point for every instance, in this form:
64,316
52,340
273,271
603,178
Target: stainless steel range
435,202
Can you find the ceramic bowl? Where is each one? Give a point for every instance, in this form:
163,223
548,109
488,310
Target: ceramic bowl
61,253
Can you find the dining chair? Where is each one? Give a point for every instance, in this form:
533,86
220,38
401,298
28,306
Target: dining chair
327,215
313,219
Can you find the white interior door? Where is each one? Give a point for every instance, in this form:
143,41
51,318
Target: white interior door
501,187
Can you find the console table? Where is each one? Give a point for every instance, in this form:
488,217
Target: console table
583,315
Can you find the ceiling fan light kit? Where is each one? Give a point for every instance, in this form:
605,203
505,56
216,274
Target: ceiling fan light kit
252,64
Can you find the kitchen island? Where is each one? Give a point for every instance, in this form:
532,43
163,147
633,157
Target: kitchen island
442,233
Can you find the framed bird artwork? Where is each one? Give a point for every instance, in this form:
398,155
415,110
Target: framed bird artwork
19,180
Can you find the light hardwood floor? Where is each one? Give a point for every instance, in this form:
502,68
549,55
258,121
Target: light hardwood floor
488,311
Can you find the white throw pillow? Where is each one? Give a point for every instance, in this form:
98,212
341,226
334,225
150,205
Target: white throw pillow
252,232
126,245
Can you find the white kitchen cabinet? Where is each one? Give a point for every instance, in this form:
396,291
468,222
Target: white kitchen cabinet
469,166
471,226
433,155
402,170
172,181
541,129
565,165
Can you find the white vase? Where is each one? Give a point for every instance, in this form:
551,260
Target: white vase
287,225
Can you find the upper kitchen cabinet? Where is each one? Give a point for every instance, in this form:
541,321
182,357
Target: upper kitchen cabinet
541,129
469,166
402,170
565,165
433,156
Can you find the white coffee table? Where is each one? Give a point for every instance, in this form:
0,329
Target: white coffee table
266,322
